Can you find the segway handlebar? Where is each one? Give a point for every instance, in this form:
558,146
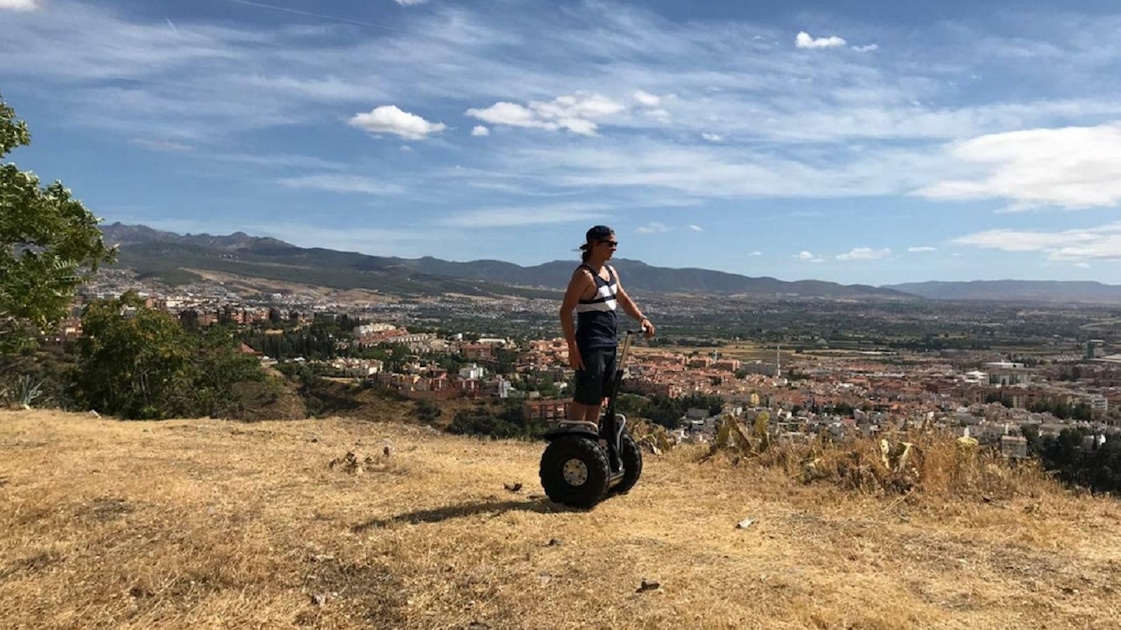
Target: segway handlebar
627,346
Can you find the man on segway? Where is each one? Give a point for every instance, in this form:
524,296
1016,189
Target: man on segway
585,459
594,294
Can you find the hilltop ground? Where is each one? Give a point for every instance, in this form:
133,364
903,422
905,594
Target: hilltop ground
213,524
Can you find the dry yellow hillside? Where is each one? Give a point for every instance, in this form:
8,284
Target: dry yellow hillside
212,524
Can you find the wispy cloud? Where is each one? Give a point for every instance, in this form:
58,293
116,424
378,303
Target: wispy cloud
162,145
696,228
921,249
391,119
652,228
321,16
1102,242
755,253
410,3
804,40
342,184
19,5
523,216
865,48
865,253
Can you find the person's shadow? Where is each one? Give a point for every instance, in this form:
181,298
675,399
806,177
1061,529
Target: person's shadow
541,505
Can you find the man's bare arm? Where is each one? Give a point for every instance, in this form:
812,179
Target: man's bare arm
631,308
577,288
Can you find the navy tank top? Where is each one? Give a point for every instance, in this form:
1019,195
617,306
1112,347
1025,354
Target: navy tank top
597,319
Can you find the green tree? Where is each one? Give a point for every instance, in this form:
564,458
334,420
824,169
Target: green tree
140,363
134,362
49,243
217,367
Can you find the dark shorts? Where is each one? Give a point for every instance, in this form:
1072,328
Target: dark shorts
594,381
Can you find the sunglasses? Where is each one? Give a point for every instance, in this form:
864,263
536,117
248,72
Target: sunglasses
610,243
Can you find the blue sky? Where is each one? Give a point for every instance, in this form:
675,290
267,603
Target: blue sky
859,142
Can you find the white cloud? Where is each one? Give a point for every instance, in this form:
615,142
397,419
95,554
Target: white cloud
1082,265
161,145
917,250
755,253
410,3
707,170
696,228
803,40
19,5
647,99
866,48
652,228
480,130
809,257
1071,167
391,119
1100,243
514,216
342,184
865,253
712,137
576,113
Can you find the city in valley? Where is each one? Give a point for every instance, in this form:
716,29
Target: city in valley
845,367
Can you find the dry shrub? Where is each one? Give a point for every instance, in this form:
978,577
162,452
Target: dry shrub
652,437
929,463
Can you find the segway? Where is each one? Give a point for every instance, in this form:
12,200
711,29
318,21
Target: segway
583,463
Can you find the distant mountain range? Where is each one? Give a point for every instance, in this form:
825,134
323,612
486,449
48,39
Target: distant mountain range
1015,290
170,257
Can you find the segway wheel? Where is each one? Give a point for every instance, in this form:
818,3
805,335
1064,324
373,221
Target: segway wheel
631,455
574,471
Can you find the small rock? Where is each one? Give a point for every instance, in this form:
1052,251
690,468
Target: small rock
648,585
513,487
986,498
94,414
745,523
319,599
554,542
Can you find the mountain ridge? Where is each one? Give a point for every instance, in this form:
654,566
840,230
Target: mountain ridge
159,254
167,255
1014,290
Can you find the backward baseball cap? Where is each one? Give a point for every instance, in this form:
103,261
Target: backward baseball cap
598,233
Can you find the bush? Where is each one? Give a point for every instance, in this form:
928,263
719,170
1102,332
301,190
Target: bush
138,363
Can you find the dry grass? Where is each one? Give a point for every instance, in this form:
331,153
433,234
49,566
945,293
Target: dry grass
209,524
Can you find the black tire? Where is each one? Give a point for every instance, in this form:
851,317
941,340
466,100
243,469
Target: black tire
585,483
631,455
